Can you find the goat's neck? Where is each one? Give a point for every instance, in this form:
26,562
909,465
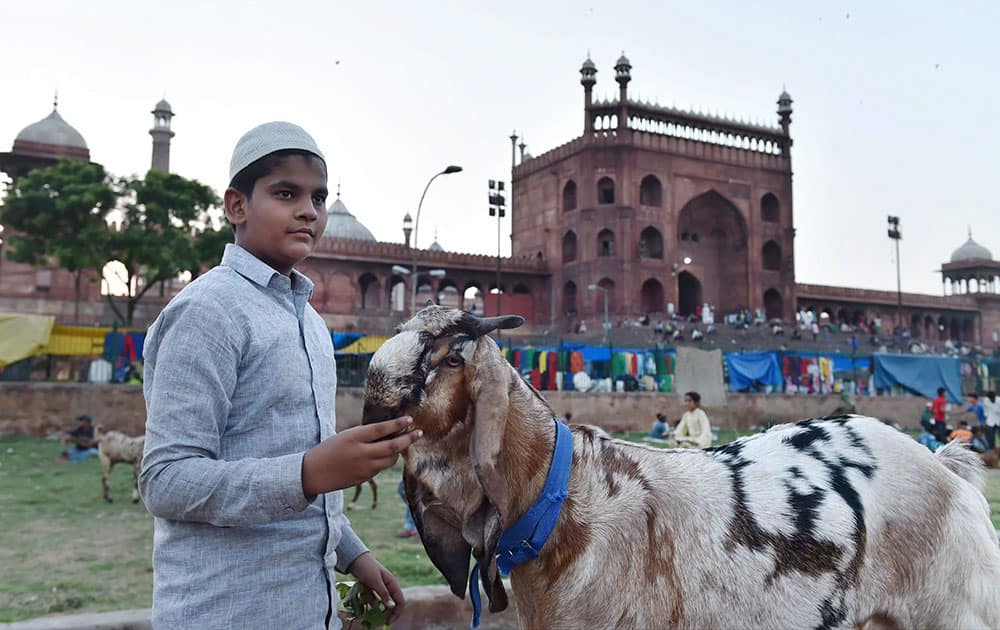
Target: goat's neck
527,451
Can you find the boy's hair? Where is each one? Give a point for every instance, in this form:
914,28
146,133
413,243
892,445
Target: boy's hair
695,396
941,391
974,396
963,423
246,179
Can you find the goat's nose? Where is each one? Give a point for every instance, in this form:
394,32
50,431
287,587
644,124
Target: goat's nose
371,414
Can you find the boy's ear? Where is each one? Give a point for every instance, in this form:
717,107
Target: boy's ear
235,203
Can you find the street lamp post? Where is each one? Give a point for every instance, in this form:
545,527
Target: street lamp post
896,235
416,226
497,209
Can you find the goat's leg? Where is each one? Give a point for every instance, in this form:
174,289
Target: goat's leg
374,486
135,482
357,493
106,465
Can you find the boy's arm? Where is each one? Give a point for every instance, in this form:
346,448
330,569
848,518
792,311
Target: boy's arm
194,353
350,546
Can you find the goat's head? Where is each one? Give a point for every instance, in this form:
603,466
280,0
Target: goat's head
442,370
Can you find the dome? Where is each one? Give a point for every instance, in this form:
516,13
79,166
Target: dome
436,247
163,106
51,130
971,250
588,65
623,61
342,224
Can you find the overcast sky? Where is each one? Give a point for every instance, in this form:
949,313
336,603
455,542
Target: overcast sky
895,105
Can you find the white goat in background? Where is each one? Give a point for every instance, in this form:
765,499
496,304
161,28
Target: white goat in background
114,447
828,523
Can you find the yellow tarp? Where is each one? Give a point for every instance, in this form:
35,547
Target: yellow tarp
23,336
76,341
365,345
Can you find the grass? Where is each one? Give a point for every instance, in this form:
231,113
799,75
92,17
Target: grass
65,550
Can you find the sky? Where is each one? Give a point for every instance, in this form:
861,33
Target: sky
894,102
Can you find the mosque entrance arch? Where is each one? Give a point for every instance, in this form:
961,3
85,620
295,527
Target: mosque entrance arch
712,233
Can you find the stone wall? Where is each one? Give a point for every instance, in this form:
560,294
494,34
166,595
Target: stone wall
41,408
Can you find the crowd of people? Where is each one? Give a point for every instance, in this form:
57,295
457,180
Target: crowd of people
980,436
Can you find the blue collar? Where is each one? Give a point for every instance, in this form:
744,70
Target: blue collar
523,540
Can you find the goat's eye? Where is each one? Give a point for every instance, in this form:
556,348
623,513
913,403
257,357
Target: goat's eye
453,360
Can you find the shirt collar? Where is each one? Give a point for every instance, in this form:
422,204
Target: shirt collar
256,270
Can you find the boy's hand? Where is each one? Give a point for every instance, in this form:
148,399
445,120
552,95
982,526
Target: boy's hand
355,455
378,580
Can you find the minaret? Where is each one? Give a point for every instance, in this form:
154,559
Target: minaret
588,77
785,119
161,136
623,76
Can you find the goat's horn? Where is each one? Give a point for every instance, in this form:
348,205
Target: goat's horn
487,325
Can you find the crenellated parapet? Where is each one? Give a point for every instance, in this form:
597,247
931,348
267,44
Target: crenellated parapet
398,253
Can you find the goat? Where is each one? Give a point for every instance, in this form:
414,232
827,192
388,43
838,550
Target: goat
114,447
357,493
832,522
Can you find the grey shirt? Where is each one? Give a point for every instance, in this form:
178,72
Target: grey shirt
239,382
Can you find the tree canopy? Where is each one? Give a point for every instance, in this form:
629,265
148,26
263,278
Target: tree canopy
74,215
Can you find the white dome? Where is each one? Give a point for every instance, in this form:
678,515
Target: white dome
52,130
971,250
342,224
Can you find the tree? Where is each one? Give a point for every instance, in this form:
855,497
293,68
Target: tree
163,216
56,217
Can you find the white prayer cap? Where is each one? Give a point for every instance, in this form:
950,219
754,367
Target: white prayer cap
268,138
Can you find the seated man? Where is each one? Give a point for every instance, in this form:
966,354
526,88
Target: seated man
660,429
978,442
77,444
961,433
694,430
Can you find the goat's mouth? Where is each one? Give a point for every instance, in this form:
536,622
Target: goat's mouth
375,413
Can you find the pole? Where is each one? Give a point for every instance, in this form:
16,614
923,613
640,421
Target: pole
413,250
499,291
899,291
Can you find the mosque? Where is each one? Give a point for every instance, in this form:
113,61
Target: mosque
651,210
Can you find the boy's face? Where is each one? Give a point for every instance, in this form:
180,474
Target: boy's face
285,216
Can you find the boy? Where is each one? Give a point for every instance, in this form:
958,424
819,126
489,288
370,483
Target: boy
242,466
938,407
77,444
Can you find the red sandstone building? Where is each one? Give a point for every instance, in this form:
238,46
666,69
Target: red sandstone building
652,208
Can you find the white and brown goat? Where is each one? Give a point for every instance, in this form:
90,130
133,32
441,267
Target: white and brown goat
834,522
116,447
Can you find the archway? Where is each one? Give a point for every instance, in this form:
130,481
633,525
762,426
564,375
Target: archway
652,296
569,196
369,291
425,291
774,306
473,298
447,294
770,210
605,191
650,243
716,243
569,246
606,243
689,295
928,329
397,293
650,191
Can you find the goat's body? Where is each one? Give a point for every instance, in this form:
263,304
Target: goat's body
357,494
115,447
823,524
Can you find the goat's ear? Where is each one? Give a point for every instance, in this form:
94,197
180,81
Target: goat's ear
483,529
441,534
488,380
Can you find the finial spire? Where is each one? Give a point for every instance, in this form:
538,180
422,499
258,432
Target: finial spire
338,187
55,101
970,231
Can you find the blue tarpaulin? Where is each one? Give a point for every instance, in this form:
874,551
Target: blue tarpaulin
342,340
920,374
747,368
